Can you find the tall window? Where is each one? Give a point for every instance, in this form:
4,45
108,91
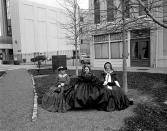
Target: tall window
127,9
8,17
116,45
96,11
0,28
165,30
81,19
165,11
101,50
101,46
141,9
116,50
110,10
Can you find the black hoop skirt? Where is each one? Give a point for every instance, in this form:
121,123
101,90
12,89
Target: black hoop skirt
54,100
88,93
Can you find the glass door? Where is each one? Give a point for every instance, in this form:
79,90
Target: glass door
140,53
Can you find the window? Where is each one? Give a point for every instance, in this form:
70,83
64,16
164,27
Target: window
101,38
116,50
81,41
96,11
165,43
145,50
0,29
102,50
110,10
141,9
135,50
81,19
105,51
81,31
116,36
127,9
165,11
8,17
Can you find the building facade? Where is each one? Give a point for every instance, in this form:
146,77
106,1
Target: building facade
34,29
145,40
84,31
6,48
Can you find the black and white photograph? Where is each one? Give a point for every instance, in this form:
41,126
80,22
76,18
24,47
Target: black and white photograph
83,65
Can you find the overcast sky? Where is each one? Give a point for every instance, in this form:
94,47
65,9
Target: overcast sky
83,3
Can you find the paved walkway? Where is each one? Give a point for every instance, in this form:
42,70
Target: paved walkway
13,67
16,101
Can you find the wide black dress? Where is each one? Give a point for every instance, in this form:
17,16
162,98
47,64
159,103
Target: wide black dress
88,92
54,100
117,100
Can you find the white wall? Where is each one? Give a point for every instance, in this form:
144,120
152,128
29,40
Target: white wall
37,28
15,26
0,18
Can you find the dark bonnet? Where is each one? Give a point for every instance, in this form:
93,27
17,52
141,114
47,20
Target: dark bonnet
109,64
61,68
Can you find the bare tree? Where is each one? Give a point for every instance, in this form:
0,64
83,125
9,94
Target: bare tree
147,11
71,11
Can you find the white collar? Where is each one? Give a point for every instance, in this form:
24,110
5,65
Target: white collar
108,77
109,72
64,75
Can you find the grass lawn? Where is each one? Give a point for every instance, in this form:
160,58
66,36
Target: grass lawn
149,113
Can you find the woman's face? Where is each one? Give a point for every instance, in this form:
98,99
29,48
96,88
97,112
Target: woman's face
107,68
62,71
86,70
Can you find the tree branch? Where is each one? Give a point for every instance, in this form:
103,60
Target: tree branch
151,16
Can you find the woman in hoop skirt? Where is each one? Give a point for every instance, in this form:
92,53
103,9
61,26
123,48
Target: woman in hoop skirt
88,92
54,100
116,98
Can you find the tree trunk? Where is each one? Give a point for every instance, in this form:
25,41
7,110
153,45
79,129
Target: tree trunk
75,28
124,49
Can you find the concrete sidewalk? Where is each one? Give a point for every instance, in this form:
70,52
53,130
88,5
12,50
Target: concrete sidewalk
16,101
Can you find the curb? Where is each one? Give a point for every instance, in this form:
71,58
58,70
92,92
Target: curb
35,107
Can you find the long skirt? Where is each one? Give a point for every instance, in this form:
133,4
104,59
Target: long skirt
69,96
117,100
54,101
88,95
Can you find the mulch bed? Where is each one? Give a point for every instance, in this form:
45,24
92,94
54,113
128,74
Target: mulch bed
149,116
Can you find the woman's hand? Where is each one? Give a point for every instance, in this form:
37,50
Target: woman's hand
62,84
105,83
117,83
